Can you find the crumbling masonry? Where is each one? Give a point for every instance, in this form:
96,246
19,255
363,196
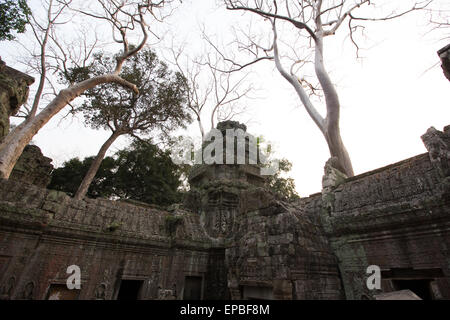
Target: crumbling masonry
232,239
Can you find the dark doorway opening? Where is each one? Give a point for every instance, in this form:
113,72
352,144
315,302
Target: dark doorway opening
215,280
129,290
420,287
192,288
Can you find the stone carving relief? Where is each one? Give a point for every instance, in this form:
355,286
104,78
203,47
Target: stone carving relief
220,213
167,294
8,289
28,291
100,292
331,179
444,55
438,146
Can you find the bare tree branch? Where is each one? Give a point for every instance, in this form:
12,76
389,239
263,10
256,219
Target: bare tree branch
319,18
212,85
125,16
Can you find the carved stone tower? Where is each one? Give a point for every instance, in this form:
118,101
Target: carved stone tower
244,173
215,188
216,191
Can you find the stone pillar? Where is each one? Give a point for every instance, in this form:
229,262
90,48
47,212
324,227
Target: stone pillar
331,179
438,146
14,89
216,188
216,192
444,54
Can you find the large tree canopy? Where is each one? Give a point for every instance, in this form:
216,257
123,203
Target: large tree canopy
141,172
68,177
13,17
158,107
147,173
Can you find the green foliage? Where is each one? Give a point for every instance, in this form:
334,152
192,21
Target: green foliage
13,17
114,226
74,75
284,188
142,172
160,104
68,177
146,173
158,108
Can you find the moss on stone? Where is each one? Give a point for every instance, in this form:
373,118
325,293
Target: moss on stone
113,226
171,224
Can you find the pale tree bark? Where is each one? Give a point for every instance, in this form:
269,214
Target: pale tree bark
13,144
308,17
200,125
331,129
87,180
43,44
330,125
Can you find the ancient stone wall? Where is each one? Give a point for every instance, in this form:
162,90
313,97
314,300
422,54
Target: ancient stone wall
33,167
279,249
272,249
444,55
396,217
232,238
14,89
42,232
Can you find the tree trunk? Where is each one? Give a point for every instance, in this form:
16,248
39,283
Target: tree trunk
87,180
13,144
200,125
330,125
331,129
338,150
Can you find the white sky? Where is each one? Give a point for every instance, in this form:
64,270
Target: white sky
388,99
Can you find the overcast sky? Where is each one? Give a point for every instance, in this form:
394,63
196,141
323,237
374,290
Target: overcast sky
389,98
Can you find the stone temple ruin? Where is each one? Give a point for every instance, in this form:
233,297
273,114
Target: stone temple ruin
444,55
232,239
